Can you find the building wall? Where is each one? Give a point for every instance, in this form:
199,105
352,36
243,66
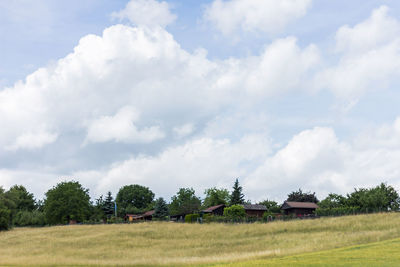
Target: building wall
219,211
255,213
299,211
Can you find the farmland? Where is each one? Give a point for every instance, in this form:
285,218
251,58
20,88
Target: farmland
156,243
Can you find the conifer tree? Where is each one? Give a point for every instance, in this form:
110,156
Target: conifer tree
108,207
237,196
161,208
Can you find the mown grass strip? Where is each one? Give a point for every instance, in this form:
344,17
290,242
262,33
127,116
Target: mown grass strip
384,253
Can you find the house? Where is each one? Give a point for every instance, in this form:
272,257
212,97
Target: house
133,217
298,208
215,210
254,210
147,216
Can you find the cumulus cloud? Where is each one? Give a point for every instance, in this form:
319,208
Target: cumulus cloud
147,70
33,140
314,159
146,12
369,56
254,15
120,128
199,163
137,85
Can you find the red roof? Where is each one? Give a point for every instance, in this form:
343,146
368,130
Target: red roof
211,209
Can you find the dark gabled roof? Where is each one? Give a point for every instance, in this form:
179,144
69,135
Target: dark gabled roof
148,213
254,207
134,216
298,205
211,209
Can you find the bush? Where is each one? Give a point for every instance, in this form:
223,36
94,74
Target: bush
191,218
30,218
268,216
235,213
114,219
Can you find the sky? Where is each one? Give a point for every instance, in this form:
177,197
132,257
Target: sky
282,94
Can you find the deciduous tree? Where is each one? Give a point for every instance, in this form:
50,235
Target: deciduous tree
215,197
134,199
301,196
184,202
67,201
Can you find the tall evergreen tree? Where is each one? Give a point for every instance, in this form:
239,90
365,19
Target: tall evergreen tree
237,197
108,206
161,209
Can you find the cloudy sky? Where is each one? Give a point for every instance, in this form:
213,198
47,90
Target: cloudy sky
283,94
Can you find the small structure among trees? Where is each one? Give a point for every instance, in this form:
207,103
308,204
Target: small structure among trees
215,210
254,210
299,208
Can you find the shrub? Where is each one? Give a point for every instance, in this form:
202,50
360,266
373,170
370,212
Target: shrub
268,216
235,213
191,218
114,219
30,218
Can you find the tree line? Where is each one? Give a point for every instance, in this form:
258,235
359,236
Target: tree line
69,201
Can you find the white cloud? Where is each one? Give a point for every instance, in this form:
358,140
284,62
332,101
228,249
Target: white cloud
184,130
377,30
146,12
120,128
268,16
33,140
317,160
313,159
147,70
200,163
98,91
369,57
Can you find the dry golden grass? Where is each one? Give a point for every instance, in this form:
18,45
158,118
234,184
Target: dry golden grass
189,244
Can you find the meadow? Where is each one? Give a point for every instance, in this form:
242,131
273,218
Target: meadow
171,244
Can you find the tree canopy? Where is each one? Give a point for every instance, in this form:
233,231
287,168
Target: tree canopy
184,202
272,206
4,212
67,201
301,196
333,201
381,197
134,199
22,199
215,197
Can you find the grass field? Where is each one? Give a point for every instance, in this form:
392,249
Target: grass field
277,243
384,253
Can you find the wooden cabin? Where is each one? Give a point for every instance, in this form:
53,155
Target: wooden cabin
254,210
299,208
215,210
147,216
